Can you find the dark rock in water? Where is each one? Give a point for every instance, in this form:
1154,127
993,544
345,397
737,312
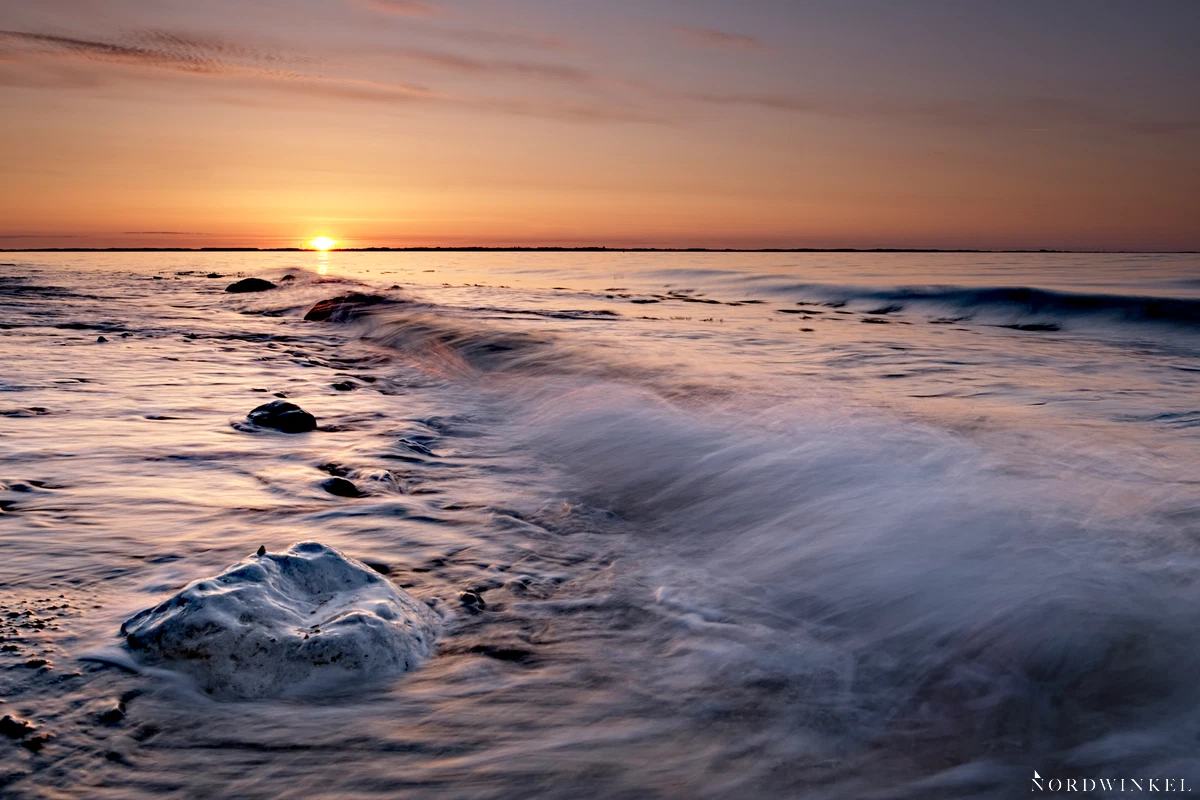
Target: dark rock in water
34,744
250,285
340,309
345,386
112,716
334,468
262,550
100,340
287,279
382,569
500,652
1034,326
214,275
286,624
472,599
15,727
283,416
341,487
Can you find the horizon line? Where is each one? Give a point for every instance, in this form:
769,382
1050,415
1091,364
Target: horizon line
585,249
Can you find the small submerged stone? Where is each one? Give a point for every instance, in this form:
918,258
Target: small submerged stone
1034,326
15,727
112,716
250,285
283,416
472,599
34,744
286,624
341,487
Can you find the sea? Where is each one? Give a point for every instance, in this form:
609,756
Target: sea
695,525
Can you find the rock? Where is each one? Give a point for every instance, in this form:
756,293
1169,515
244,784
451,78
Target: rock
214,275
284,416
262,550
112,716
15,727
1034,326
34,744
287,279
250,285
472,599
100,340
344,386
341,487
286,624
341,309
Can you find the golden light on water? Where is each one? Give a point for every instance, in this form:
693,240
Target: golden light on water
322,243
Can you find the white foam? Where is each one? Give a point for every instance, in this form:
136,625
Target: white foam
285,624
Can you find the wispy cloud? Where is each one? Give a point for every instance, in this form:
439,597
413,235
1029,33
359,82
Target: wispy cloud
715,38
162,50
1002,113
39,236
59,62
403,8
525,69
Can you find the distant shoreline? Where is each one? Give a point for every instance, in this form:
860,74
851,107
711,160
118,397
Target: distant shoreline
576,250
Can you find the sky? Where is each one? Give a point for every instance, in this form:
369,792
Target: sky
1072,124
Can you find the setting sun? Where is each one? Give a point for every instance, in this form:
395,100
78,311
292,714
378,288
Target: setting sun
322,243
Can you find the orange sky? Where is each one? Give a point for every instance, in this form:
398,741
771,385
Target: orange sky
777,124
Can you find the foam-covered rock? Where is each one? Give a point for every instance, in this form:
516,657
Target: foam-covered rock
283,416
285,624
